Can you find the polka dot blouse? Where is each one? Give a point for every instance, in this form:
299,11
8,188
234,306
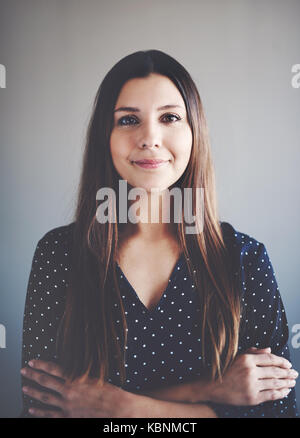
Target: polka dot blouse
164,344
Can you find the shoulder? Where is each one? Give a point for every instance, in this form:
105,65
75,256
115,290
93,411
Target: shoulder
252,259
51,265
239,238
243,244
54,246
56,235
250,256
57,238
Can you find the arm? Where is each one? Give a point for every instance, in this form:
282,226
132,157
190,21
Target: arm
267,327
41,313
264,324
147,407
196,391
29,342
88,399
266,312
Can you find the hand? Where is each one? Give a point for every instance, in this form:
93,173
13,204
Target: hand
78,399
254,377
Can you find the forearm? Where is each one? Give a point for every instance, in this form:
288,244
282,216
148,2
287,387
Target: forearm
148,407
191,392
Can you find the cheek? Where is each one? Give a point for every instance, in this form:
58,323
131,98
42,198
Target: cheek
118,147
182,146
114,141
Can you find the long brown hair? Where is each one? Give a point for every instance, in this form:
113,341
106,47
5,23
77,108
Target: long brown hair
90,341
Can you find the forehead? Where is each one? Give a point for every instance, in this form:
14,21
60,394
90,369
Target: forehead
154,89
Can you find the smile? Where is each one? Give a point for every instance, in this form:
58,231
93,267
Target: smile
150,165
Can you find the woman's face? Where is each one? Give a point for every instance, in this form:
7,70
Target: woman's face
147,132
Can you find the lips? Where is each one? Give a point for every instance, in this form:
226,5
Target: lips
150,161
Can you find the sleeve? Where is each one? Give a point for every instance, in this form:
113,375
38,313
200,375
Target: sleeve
265,325
40,316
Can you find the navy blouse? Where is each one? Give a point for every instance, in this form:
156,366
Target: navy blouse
164,345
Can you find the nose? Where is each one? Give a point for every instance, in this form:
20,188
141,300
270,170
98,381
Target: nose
150,137
147,146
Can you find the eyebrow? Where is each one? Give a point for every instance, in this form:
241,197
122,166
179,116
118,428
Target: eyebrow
133,109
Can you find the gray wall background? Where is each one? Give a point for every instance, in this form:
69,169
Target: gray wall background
56,52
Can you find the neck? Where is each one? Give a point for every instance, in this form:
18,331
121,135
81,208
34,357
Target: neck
154,213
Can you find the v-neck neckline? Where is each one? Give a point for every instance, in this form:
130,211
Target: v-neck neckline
162,298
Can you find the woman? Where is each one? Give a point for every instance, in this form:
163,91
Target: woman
140,319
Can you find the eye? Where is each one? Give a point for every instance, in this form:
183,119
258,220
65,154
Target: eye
131,118
173,115
124,119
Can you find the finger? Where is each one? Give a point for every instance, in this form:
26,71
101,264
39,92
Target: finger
48,367
43,379
269,359
276,372
264,384
45,397
273,394
45,414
